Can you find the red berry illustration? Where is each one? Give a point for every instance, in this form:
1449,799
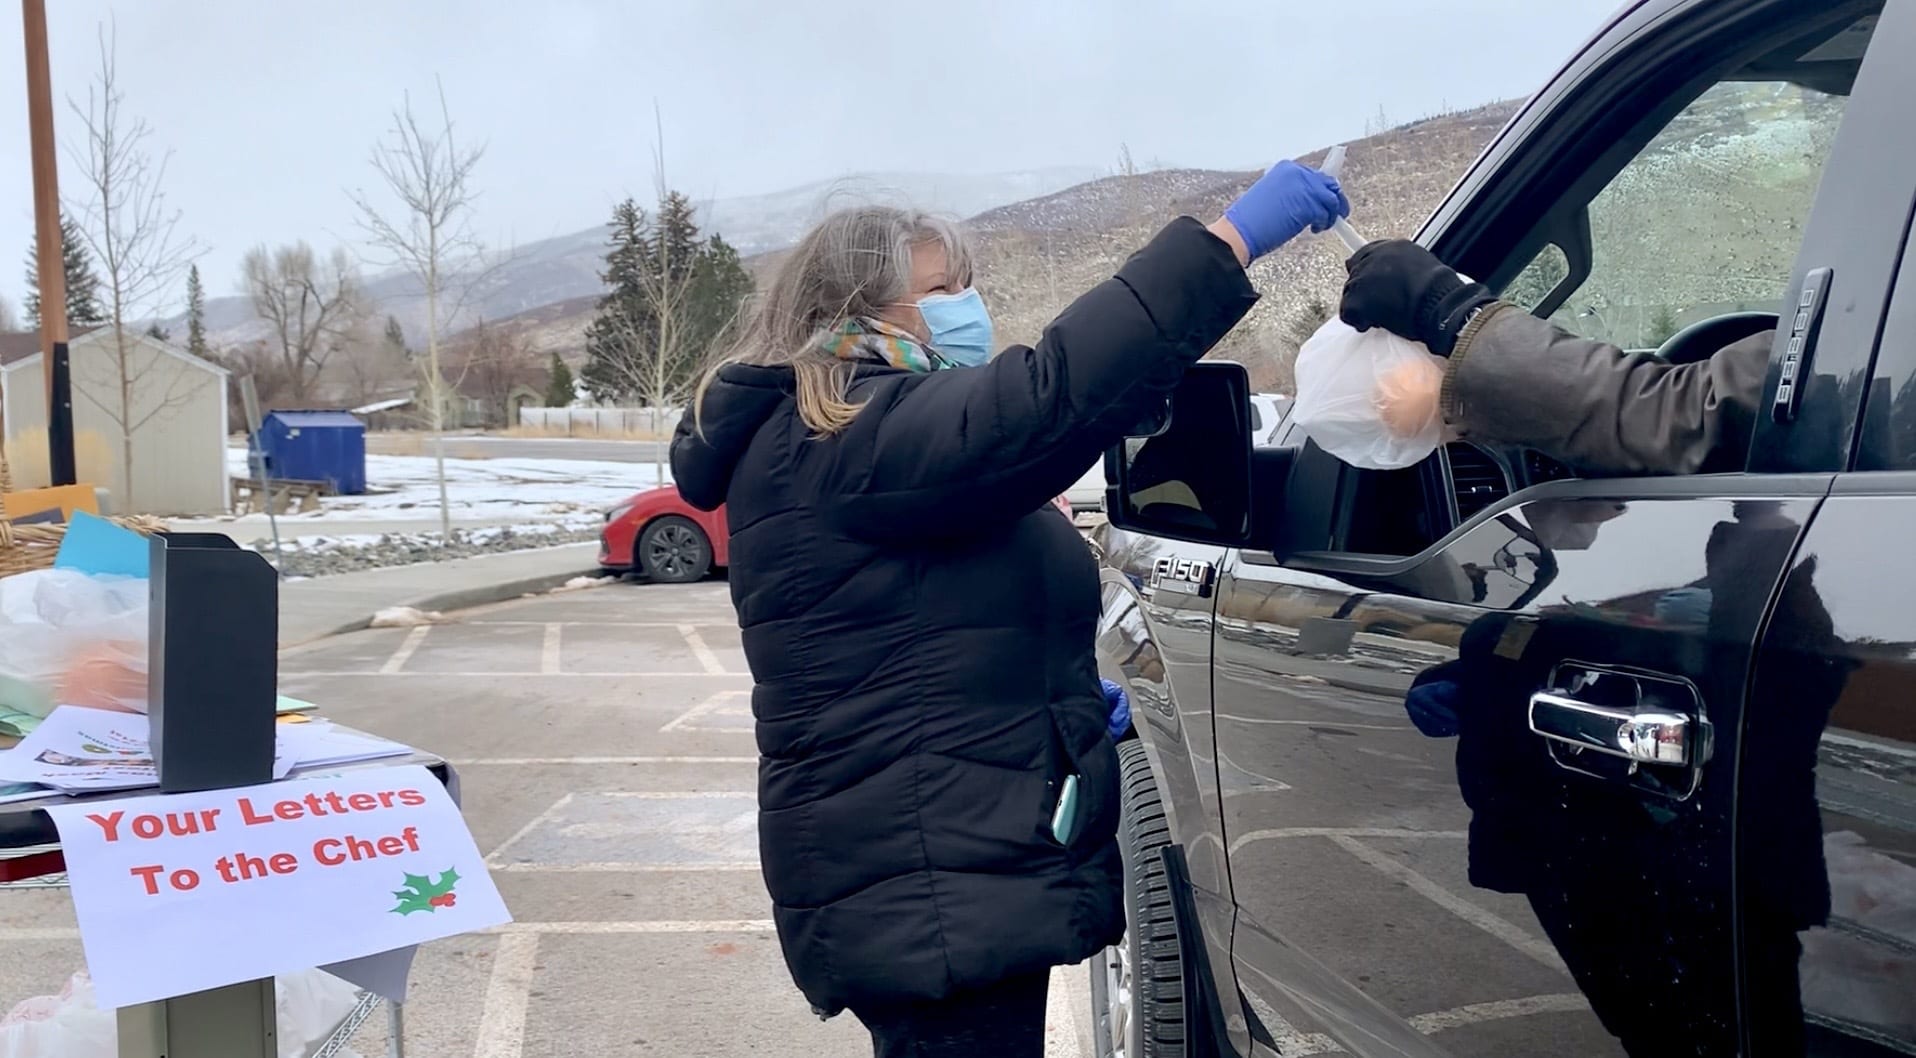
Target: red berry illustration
421,893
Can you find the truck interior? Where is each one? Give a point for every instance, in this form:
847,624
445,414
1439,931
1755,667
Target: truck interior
1665,222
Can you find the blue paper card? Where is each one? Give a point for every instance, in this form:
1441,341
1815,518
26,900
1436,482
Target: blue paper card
97,547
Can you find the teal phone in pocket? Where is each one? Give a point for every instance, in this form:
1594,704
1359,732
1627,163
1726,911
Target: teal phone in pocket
1064,818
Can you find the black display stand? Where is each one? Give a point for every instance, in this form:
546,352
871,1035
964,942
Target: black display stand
213,662
212,687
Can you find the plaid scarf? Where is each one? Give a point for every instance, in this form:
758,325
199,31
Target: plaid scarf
877,342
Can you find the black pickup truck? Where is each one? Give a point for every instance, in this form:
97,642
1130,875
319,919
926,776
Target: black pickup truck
1484,758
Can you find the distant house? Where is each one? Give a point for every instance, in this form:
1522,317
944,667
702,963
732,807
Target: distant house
175,410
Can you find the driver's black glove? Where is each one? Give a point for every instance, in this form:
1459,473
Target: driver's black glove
1405,289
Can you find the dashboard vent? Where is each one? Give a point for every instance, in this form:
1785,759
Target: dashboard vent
1476,479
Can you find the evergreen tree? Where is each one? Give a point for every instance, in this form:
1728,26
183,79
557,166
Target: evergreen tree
622,325
154,330
720,286
671,294
83,287
395,339
559,388
196,314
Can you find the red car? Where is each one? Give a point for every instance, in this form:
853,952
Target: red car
660,535
669,541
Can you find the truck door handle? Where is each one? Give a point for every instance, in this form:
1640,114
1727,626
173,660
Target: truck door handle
1642,736
1645,731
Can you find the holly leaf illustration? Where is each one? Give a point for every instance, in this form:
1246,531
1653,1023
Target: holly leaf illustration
420,890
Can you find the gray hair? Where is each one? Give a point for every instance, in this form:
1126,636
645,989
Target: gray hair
853,264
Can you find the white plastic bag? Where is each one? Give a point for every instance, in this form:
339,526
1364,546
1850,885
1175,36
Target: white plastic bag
68,1025
1369,398
74,639
72,1025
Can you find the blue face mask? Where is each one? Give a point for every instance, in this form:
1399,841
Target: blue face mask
960,326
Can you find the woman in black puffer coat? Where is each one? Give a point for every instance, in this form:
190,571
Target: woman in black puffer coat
918,617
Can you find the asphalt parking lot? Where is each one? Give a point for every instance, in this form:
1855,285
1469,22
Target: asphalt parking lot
604,743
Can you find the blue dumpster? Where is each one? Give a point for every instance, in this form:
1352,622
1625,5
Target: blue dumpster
328,446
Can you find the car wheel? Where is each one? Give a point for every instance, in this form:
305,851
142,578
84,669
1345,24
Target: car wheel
1137,984
672,550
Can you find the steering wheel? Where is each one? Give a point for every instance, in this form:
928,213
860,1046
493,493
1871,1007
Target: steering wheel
1700,340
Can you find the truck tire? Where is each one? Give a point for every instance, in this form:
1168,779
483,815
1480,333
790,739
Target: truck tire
1137,985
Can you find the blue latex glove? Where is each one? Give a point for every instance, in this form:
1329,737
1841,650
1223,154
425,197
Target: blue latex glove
1284,202
1433,708
1120,704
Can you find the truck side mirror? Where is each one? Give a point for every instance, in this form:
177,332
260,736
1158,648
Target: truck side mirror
1187,475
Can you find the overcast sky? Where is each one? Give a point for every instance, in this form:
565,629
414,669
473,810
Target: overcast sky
269,108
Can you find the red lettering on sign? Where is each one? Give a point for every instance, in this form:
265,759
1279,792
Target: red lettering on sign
150,876
412,798
109,825
283,863
249,815
289,810
363,802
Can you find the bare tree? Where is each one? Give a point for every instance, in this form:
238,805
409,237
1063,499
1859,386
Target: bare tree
668,288
309,304
127,225
429,173
494,361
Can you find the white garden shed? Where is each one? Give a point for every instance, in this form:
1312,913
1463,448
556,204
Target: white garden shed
170,405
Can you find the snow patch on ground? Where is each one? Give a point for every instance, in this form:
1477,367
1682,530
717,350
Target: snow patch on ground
405,617
570,492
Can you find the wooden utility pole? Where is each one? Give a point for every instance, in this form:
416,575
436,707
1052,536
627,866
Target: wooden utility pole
54,363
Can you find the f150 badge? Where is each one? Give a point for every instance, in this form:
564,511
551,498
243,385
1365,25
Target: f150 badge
1183,574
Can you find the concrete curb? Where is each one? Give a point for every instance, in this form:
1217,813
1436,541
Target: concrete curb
458,599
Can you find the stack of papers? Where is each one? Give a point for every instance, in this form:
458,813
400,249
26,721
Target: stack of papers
78,750
318,743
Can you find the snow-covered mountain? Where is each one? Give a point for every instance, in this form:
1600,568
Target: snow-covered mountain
566,267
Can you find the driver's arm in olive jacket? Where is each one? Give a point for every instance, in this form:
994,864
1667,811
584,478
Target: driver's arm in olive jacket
1514,379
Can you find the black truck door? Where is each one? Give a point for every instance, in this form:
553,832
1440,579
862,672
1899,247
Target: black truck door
1826,817
1498,772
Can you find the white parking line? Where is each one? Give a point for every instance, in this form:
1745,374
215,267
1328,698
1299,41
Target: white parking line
1501,928
688,721
616,868
700,650
335,674
533,761
1293,1043
738,925
527,829
1343,832
404,653
608,624
502,1025
1498,1010
549,651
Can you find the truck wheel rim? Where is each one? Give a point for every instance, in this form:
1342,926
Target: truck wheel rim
1117,998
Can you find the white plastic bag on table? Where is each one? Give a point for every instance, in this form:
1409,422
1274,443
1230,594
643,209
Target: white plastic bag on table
67,1025
74,639
1369,398
71,1025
